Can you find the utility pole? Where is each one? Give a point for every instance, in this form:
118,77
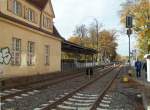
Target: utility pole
97,41
97,35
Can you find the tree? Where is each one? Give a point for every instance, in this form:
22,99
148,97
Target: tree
81,32
108,45
94,31
93,37
140,10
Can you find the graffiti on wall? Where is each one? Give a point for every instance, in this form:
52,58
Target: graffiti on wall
5,56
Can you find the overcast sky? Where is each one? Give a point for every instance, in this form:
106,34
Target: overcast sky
70,13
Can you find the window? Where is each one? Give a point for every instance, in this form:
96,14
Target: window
16,51
30,15
47,22
31,50
17,8
47,52
44,21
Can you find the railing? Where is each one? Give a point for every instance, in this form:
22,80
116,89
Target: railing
72,65
85,65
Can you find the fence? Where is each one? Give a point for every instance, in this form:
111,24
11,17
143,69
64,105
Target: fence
72,65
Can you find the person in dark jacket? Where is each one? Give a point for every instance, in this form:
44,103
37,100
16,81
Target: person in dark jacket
87,71
145,68
91,71
138,67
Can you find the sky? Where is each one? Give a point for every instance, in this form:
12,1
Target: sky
71,13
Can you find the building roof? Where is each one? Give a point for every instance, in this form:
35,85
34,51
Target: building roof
74,48
56,33
38,3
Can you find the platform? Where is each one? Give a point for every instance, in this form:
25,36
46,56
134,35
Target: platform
146,89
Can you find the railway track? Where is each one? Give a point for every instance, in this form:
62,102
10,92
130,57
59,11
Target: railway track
103,96
84,97
31,90
14,92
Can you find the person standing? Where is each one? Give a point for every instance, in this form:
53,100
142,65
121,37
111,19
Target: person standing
145,68
138,66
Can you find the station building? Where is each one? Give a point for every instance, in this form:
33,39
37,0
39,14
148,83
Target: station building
26,28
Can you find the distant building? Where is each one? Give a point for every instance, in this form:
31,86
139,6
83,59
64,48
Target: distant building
26,28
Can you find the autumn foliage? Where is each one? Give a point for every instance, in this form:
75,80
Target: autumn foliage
104,41
140,11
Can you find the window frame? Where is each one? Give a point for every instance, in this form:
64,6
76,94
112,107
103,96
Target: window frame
47,22
31,15
16,5
16,49
30,53
47,55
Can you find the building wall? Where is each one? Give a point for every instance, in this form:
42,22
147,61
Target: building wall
4,9
10,30
47,11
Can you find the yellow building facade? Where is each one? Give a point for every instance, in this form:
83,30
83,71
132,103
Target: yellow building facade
26,28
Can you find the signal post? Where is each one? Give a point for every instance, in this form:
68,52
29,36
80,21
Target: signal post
129,26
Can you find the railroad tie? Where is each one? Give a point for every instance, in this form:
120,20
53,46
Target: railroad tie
9,100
